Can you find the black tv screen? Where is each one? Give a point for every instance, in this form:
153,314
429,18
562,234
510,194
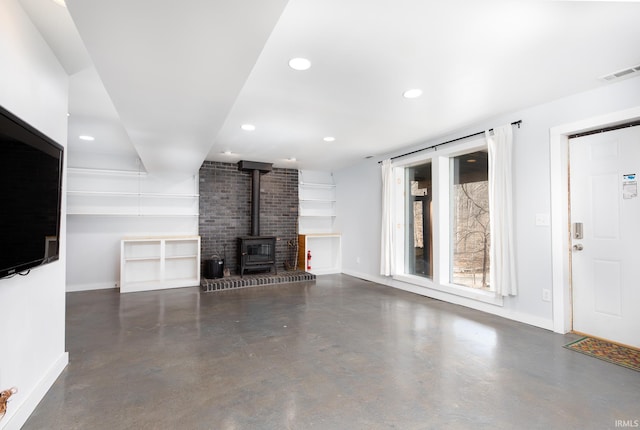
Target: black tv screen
31,193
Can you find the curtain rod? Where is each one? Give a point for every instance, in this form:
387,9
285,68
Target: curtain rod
449,141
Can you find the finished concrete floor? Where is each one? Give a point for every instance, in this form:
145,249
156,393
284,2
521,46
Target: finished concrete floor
341,353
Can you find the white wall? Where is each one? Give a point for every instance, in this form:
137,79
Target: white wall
33,86
359,201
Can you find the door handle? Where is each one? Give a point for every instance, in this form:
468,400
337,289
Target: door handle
578,247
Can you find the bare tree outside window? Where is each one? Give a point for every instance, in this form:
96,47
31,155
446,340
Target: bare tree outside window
470,235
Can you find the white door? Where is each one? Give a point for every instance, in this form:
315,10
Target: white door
605,262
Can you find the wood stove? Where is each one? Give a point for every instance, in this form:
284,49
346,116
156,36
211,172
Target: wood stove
256,252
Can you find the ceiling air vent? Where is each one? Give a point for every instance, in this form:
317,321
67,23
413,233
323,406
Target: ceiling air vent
625,73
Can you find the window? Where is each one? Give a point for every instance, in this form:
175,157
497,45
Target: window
418,240
442,207
470,235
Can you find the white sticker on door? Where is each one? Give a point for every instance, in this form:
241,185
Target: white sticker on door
629,186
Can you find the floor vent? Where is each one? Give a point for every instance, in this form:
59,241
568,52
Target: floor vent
625,73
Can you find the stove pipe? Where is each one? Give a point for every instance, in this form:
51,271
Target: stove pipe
256,168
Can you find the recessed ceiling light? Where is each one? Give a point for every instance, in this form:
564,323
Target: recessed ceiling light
299,63
329,139
227,152
85,137
471,160
412,93
291,159
60,3
248,127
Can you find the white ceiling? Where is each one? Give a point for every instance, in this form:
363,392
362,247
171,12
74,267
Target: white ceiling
172,82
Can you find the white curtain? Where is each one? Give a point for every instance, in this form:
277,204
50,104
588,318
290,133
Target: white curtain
386,241
502,254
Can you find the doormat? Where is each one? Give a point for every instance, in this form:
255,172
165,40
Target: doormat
607,351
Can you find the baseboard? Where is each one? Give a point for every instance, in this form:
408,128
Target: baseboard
457,300
16,420
324,271
89,287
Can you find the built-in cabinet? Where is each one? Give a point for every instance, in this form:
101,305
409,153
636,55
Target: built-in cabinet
153,263
130,193
325,252
317,211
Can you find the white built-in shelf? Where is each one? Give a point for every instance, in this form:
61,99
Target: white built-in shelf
311,208
132,194
142,258
178,257
317,206
328,213
153,263
317,185
317,211
319,200
132,214
121,193
325,249
102,172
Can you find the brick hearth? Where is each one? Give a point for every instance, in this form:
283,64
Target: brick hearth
254,280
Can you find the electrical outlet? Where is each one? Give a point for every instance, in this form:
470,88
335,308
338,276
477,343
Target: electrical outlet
546,295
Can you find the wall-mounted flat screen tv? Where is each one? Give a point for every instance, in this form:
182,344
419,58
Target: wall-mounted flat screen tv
31,196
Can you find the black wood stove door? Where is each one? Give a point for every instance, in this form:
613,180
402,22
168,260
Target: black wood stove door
257,253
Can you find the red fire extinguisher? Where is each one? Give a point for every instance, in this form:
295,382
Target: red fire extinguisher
309,260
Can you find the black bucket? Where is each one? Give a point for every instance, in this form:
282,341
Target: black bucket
213,269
